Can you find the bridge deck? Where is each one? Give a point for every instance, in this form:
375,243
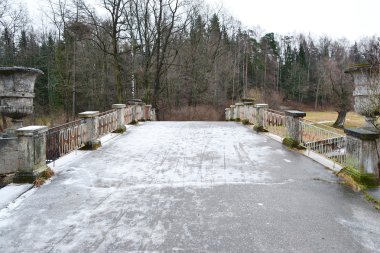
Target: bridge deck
192,186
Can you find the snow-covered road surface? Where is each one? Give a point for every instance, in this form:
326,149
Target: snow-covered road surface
193,187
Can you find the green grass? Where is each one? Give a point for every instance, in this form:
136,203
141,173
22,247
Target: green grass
353,120
373,200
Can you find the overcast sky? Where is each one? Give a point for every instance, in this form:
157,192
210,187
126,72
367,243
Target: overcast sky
352,19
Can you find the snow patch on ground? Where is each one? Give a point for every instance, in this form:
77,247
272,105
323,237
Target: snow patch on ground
11,192
125,195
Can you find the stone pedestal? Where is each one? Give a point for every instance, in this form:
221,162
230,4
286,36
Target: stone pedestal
153,114
362,150
147,112
92,124
239,111
259,121
134,119
227,112
31,153
142,109
246,107
233,112
120,117
9,158
292,123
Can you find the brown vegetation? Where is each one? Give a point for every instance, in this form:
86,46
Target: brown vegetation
193,113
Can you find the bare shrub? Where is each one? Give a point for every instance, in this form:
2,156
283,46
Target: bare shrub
274,99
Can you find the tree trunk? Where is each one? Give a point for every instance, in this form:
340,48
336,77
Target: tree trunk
5,124
339,123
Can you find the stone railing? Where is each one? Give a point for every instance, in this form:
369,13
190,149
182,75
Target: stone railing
357,148
27,153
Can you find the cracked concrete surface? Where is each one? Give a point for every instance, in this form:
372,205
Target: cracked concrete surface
193,187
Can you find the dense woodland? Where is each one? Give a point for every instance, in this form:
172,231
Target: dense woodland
190,61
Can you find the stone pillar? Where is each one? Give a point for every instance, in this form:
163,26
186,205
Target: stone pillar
147,110
120,117
153,113
239,111
134,120
232,112
227,114
32,153
246,110
362,150
143,111
9,158
259,121
92,123
293,125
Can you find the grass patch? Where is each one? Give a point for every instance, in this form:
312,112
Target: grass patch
245,122
353,120
120,130
45,175
91,146
259,129
357,180
373,200
290,143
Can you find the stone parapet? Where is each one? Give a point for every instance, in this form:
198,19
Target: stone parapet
9,157
362,149
295,114
92,123
120,117
259,122
32,152
293,124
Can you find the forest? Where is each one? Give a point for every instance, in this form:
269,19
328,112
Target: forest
188,60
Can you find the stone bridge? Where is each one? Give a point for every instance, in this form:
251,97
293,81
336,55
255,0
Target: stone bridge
192,187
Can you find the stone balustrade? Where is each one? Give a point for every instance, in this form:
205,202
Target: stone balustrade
362,149
24,155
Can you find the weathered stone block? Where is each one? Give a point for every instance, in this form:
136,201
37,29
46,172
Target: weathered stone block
120,117
92,123
363,150
292,122
32,153
9,155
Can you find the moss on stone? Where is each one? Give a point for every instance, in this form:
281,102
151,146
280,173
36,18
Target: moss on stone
358,180
37,177
259,129
133,122
24,178
120,130
248,99
91,146
237,119
291,143
373,200
245,122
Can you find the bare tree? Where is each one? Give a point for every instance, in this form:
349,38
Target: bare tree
372,56
115,27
